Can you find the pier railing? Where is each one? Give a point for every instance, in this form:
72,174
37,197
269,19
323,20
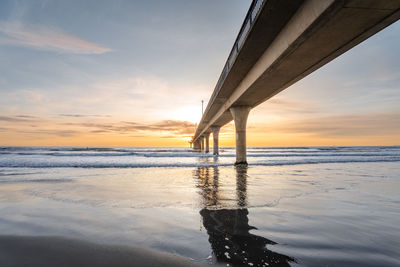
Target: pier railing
248,22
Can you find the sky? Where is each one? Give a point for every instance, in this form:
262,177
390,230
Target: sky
133,73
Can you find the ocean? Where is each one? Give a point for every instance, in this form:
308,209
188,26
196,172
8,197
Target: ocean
292,206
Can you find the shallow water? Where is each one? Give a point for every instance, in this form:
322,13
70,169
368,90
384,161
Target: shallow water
291,206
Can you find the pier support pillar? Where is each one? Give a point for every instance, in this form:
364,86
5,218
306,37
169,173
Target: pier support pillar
202,143
196,145
240,114
207,139
215,131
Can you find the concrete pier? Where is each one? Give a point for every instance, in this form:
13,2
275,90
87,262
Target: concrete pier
215,131
202,143
240,114
280,43
207,139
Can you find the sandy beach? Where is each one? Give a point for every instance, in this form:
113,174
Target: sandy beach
341,213
58,251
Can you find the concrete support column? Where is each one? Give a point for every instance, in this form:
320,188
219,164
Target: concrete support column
202,143
215,131
240,114
196,144
207,139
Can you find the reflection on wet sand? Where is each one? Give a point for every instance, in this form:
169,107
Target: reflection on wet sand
228,228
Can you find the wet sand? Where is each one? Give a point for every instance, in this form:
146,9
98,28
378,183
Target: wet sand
322,214
58,251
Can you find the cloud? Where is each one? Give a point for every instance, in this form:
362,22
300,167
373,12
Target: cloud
51,132
83,115
349,125
16,118
171,126
73,126
147,93
26,116
281,105
144,97
47,38
179,127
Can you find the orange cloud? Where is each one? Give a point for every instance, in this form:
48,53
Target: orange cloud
104,130
79,129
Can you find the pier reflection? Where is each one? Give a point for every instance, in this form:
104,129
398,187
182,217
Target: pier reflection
226,220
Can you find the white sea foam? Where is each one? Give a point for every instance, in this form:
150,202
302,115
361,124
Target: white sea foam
71,157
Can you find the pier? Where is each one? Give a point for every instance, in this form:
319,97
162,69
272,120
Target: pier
281,42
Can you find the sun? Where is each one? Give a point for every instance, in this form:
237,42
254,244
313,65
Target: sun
186,113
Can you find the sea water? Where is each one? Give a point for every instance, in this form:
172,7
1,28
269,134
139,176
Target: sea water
307,206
